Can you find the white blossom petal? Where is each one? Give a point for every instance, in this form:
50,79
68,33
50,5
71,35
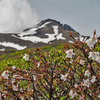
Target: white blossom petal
69,53
91,41
5,74
63,77
82,62
75,85
93,55
97,59
13,67
93,79
26,57
72,93
86,83
87,73
99,96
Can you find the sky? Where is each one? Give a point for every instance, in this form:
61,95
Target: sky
82,15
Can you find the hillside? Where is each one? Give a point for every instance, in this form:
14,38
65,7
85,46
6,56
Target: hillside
48,32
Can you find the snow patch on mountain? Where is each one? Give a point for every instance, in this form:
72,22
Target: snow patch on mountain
36,39
26,33
44,25
2,49
55,29
10,44
60,37
33,30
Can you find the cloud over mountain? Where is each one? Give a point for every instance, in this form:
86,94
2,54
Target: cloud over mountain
16,15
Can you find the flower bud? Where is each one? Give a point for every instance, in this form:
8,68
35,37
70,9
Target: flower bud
88,66
86,51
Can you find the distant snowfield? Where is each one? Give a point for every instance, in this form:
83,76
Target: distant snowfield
36,39
13,45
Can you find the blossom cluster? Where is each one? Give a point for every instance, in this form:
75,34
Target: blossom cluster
92,55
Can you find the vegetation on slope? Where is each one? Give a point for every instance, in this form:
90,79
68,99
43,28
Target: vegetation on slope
72,73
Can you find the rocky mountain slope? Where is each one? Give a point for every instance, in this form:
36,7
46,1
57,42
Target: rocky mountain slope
46,32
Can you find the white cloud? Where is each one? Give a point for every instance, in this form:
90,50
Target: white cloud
16,15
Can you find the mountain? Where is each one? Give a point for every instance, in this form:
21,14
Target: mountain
46,32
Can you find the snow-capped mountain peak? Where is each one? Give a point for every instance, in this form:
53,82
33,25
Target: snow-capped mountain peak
47,32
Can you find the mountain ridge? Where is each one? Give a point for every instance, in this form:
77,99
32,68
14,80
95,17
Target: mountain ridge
47,32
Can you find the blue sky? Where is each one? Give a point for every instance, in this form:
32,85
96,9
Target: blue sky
82,15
